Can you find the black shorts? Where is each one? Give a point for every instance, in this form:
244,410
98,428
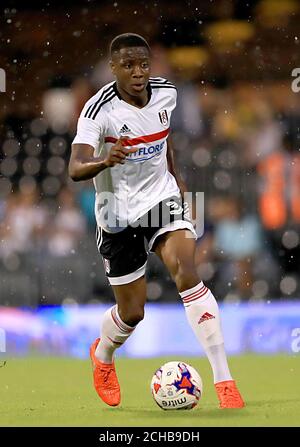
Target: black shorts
125,253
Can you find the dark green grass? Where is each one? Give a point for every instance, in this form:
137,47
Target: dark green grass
59,392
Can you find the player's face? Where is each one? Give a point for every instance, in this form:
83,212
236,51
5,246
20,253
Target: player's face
131,66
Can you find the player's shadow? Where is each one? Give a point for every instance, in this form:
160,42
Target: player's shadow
255,403
214,413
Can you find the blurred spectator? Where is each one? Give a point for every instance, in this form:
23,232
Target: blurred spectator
263,135
86,200
24,222
235,244
59,105
187,116
81,90
279,203
68,226
160,65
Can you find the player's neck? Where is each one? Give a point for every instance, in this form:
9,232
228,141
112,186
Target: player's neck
138,101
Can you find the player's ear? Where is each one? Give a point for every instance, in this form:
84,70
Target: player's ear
112,67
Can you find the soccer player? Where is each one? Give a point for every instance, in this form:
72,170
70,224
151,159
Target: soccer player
123,143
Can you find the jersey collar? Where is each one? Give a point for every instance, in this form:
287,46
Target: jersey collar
149,90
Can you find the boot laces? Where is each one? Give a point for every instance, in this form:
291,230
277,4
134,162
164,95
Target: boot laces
106,373
230,393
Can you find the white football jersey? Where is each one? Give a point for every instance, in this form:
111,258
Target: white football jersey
127,191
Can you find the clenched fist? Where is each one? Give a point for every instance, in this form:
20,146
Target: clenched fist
117,153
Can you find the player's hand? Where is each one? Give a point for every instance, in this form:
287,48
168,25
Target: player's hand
118,153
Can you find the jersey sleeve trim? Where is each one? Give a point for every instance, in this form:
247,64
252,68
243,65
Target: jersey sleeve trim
161,83
94,108
88,132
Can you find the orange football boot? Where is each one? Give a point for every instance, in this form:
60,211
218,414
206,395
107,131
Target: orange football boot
229,395
105,379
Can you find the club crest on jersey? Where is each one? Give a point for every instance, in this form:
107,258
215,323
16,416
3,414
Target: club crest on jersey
163,117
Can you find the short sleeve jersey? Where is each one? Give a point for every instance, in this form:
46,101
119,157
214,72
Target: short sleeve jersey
127,191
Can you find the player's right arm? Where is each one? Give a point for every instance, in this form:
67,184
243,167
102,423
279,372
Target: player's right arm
84,166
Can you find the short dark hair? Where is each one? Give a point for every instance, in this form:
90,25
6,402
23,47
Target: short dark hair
127,40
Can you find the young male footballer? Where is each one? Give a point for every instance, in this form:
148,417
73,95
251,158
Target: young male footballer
123,143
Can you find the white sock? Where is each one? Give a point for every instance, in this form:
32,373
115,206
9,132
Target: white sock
203,316
114,332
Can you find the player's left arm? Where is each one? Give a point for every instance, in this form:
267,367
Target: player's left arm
172,166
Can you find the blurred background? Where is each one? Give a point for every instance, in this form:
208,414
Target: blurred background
236,134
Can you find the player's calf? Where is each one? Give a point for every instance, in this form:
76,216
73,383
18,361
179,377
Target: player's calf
130,315
114,332
204,318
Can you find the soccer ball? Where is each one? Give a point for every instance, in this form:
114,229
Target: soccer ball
176,386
